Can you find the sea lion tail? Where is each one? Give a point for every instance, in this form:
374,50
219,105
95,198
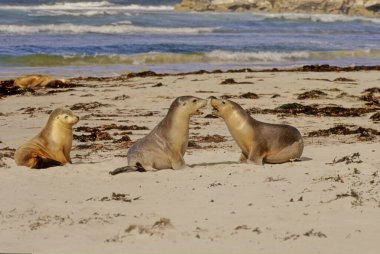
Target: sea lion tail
137,168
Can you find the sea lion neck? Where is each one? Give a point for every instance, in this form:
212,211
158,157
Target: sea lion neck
55,125
177,121
236,114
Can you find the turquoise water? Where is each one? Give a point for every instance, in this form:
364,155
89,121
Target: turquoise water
98,38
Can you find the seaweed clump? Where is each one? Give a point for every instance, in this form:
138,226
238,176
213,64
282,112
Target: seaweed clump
364,133
315,109
313,94
370,97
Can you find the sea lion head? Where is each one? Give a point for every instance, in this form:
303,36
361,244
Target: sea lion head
188,105
63,116
224,108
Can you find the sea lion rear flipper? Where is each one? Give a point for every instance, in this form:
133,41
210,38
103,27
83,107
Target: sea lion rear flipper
46,163
137,168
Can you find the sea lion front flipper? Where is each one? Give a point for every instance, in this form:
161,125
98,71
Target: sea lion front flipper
256,156
243,158
177,162
46,163
137,168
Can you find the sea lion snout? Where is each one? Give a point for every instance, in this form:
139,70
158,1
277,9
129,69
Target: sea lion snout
76,119
69,117
201,103
215,103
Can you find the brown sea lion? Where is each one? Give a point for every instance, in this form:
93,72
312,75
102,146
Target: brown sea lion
165,146
52,146
36,81
260,142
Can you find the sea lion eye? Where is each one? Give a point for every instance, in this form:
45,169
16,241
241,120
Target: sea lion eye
223,102
195,100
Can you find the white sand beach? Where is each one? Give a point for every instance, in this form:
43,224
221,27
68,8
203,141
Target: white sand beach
215,205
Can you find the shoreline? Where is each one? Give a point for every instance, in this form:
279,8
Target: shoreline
304,68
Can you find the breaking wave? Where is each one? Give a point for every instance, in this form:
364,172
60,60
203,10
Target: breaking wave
101,5
104,29
173,58
326,18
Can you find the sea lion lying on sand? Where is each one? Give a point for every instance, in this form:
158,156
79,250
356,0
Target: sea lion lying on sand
36,81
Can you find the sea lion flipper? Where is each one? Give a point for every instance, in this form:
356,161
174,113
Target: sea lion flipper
46,163
243,158
137,168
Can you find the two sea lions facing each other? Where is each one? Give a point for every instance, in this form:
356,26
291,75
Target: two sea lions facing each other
52,146
260,142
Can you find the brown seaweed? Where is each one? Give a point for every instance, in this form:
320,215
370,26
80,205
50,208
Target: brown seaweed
7,88
247,95
344,130
121,97
313,94
106,127
317,110
210,138
94,136
123,127
375,117
143,74
354,158
343,79
88,106
369,96
158,85
124,138
228,81
119,197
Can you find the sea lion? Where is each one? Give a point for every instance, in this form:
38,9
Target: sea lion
260,142
165,146
36,81
52,146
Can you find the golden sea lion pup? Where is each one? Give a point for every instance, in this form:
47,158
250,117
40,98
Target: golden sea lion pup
35,81
260,142
165,146
52,146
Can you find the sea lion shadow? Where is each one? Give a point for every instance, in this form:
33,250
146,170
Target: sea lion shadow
236,162
87,162
305,159
214,163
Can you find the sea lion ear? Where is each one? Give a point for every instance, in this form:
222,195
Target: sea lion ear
184,104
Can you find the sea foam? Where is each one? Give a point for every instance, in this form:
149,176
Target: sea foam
326,18
102,5
104,29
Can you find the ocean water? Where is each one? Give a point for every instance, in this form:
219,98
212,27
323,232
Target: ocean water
106,38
